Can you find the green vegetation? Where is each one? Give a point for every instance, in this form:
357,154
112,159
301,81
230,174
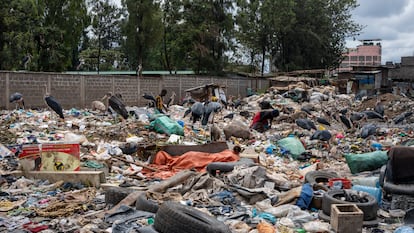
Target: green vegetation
211,36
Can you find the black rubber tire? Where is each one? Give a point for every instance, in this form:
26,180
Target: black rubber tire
114,195
172,217
369,208
143,203
147,229
213,167
314,177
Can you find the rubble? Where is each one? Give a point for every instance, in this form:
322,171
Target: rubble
169,160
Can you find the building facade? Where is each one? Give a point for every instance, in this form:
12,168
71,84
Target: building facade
366,54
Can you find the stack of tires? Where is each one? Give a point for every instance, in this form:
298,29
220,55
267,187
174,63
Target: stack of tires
173,217
366,203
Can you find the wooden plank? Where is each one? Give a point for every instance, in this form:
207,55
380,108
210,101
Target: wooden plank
89,178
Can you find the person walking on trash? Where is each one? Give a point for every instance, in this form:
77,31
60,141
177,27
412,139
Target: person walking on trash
159,102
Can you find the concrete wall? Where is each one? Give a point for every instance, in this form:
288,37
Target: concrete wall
79,91
405,71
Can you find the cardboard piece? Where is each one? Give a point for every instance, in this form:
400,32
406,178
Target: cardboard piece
50,157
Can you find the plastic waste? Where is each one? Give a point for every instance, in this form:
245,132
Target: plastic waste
263,215
373,191
164,124
404,229
270,149
291,144
265,227
376,146
4,151
175,139
372,181
74,138
134,139
316,226
367,161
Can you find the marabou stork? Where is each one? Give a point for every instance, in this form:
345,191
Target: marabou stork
373,115
116,104
345,121
18,99
379,108
305,123
322,121
400,118
323,135
368,130
54,104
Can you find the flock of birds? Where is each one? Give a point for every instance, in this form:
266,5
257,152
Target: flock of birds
114,103
305,120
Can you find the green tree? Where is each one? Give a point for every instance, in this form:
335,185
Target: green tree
58,36
262,24
18,20
171,53
318,37
206,31
106,35
142,28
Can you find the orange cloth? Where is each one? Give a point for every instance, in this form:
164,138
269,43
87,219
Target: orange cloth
169,165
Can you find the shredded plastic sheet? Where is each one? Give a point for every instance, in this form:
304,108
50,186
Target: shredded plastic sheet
169,165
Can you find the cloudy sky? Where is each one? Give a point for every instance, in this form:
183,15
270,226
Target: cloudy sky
388,20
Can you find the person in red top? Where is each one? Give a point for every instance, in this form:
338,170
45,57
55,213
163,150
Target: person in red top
262,120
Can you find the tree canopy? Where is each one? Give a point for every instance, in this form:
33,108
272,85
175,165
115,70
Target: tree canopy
206,36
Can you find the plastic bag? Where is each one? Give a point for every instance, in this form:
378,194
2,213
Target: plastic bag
265,227
316,226
292,145
164,124
367,161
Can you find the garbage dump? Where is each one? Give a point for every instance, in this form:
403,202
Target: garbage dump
319,159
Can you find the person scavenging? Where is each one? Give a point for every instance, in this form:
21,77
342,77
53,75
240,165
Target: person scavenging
159,102
262,120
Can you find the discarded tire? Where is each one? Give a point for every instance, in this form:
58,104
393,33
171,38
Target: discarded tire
173,217
114,195
369,207
315,177
143,203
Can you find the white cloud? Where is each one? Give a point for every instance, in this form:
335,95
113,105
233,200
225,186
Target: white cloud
390,21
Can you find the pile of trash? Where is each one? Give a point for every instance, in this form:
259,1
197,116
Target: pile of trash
172,173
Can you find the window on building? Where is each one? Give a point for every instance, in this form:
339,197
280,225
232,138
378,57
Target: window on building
346,58
375,58
368,58
354,58
361,58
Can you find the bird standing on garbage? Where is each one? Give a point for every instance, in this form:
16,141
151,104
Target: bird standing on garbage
346,121
116,105
322,121
368,130
379,108
54,104
305,123
18,99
